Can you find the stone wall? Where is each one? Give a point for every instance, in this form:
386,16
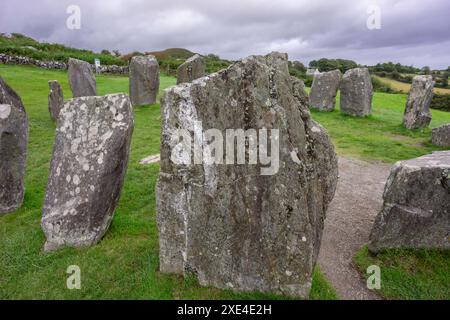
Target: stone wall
20,60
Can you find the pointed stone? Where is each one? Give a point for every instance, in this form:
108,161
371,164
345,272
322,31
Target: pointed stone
144,80
13,148
90,158
81,78
55,99
193,68
417,112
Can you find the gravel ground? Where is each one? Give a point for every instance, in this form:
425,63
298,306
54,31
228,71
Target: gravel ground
349,221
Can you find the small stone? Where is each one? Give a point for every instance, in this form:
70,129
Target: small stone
55,99
417,112
13,148
81,78
441,136
193,68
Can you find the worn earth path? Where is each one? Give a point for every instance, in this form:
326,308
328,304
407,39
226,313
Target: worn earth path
348,224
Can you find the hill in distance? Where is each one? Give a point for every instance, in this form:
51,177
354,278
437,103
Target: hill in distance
172,54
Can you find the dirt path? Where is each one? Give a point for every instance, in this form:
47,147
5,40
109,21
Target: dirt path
349,220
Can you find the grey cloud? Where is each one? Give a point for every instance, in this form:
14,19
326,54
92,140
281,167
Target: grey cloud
413,31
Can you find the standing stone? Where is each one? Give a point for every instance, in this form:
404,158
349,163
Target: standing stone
81,78
192,69
416,209
441,136
356,92
13,148
324,89
298,90
55,99
90,157
417,112
144,80
239,226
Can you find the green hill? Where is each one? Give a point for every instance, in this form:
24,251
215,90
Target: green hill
172,54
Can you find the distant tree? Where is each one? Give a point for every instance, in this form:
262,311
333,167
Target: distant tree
107,52
116,53
332,64
212,57
426,70
395,75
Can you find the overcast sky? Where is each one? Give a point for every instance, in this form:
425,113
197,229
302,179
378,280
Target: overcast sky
413,32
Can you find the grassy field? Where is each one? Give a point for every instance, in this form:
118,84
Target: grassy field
124,264
408,274
405,87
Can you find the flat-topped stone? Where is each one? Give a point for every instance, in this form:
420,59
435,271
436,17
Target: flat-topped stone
416,209
55,99
441,136
356,92
144,80
324,89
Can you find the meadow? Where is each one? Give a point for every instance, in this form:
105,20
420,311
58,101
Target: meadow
124,265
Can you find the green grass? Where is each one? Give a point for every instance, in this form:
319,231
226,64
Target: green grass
410,274
381,135
124,264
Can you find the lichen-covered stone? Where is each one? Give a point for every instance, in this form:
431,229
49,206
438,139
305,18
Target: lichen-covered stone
193,68
324,90
144,80
90,157
417,112
356,92
81,78
229,224
416,209
441,136
55,99
13,148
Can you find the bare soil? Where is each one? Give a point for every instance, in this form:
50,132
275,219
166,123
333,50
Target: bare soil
348,224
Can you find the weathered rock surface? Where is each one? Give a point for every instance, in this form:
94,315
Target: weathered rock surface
13,148
416,209
298,90
81,78
228,223
417,112
90,157
144,80
356,92
324,89
55,99
193,68
441,136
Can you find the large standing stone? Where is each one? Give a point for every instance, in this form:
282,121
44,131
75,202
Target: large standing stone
13,148
356,92
81,78
55,99
441,136
416,210
192,69
237,226
90,157
417,111
324,89
144,80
